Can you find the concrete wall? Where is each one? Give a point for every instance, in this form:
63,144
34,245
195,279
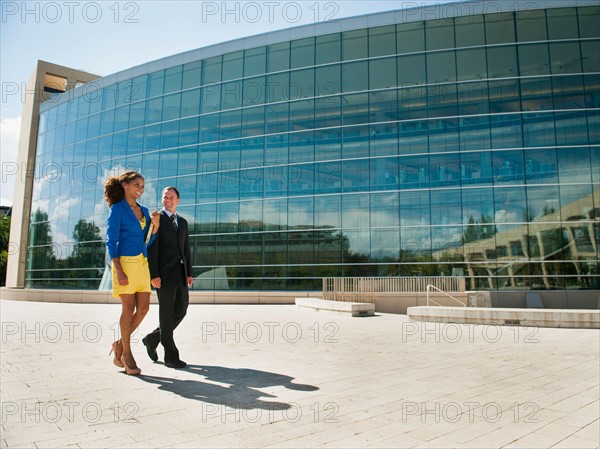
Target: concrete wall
384,302
553,299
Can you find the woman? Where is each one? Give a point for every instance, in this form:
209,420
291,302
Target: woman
127,236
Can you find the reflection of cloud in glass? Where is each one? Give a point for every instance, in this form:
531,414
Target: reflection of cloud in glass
101,208
504,216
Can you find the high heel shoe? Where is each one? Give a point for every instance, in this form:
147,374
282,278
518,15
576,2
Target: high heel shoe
131,371
117,348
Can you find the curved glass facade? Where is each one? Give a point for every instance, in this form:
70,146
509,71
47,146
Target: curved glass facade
463,146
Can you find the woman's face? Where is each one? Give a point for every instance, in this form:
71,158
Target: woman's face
134,188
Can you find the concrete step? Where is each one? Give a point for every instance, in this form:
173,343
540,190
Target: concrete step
567,318
345,308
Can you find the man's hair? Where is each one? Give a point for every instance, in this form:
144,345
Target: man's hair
173,188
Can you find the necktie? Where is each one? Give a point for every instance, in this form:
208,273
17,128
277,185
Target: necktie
173,217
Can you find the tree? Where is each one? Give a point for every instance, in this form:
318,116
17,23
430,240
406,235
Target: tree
4,239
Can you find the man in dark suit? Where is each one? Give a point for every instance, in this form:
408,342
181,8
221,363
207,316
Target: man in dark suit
170,265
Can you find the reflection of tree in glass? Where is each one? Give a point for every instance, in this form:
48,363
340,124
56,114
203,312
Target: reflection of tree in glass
88,244
87,259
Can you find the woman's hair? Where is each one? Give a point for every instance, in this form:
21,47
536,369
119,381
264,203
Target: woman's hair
113,187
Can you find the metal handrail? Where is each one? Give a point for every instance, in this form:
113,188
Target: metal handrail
441,291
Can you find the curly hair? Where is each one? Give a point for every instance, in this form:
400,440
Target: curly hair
113,187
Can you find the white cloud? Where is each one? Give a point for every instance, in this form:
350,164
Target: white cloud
10,127
504,216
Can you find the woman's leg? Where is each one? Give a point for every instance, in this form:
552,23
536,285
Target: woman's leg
134,309
125,321
142,306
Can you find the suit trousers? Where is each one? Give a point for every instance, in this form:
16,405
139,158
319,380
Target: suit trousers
173,302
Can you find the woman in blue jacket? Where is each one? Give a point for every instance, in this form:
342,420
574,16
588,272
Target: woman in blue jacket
131,228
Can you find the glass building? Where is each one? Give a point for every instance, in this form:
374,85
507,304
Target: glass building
459,139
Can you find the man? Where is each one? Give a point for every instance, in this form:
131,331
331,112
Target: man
170,264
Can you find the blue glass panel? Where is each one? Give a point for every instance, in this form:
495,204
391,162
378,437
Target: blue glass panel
173,77
328,144
384,173
278,57
355,211
135,140
353,175
444,170
206,187
137,113
121,118
192,74
107,121
300,215
385,209
210,98
251,182
355,76
252,152
276,149
169,134
251,216
328,177
230,126
509,207
506,131
276,180
355,45
229,155
156,82
168,164
508,167
209,127
414,172
443,135
543,203
253,121
211,70
383,139
229,185
154,110
477,209
231,95
441,67
152,137
355,142
171,107
301,147
301,179
446,207
189,131
254,91
209,158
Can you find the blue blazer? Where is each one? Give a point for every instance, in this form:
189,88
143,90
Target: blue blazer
124,235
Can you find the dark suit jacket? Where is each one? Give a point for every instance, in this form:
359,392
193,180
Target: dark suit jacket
168,250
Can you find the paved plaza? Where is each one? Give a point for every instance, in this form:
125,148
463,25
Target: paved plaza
280,376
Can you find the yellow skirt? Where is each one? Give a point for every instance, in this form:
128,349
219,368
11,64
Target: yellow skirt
138,274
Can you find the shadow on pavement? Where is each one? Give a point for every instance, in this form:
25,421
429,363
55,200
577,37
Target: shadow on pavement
241,391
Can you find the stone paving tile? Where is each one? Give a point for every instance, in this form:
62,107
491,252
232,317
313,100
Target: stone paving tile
280,376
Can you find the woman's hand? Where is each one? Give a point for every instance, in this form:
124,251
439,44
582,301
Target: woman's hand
121,276
155,218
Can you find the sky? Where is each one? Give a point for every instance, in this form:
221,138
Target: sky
105,37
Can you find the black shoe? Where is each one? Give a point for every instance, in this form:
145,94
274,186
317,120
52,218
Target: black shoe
151,350
176,364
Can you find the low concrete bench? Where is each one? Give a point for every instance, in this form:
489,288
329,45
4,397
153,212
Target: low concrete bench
568,318
345,308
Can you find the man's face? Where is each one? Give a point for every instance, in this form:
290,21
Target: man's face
170,200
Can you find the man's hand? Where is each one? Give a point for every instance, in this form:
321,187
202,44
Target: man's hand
190,281
155,282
